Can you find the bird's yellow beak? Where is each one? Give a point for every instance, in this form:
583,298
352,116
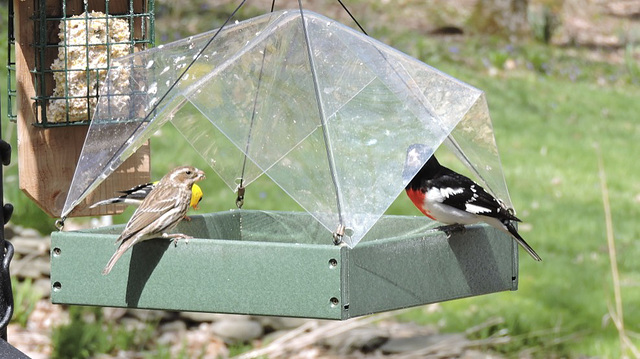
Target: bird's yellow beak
196,196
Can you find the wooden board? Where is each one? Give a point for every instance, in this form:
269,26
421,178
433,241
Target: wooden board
47,158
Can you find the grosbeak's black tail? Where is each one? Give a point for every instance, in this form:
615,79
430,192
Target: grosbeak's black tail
521,240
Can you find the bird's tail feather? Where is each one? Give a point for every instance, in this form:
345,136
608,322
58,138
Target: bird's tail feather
114,258
512,230
106,201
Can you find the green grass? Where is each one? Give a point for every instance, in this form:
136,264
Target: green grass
545,128
25,298
89,333
547,113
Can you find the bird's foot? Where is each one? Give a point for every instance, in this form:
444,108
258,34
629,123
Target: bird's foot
175,237
187,218
450,229
186,240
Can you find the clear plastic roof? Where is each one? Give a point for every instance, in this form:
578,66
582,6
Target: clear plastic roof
328,113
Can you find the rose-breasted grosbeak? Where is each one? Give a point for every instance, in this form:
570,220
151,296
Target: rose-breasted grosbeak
451,198
161,210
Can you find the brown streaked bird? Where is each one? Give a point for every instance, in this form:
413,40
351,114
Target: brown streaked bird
160,212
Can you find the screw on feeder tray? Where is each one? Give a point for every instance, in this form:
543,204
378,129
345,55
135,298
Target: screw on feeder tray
333,263
334,301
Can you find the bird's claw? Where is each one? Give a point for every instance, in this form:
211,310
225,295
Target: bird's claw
176,237
450,229
185,237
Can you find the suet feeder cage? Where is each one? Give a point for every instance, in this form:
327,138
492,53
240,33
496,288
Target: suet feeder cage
61,55
341,122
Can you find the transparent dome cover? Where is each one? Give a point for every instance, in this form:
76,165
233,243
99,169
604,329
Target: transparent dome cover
328,113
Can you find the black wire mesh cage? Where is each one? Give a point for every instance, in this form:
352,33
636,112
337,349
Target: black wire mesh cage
74,42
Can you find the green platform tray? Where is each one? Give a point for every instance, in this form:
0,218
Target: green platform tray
283,264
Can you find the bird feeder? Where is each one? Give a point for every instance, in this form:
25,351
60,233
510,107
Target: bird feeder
62,55
329,114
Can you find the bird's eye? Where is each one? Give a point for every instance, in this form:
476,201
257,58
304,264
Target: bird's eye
188,172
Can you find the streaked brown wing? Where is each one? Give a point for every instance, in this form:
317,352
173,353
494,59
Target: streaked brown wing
149,211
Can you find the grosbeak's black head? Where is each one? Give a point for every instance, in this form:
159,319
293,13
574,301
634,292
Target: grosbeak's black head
418,157
429,170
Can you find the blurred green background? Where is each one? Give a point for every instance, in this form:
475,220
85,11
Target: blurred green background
553,96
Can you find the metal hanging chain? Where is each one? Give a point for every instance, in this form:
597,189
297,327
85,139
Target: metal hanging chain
241,188
60,222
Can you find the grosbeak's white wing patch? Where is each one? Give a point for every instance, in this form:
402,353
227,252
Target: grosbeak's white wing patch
476,209
441,194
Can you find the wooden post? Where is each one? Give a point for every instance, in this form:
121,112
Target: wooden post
47,157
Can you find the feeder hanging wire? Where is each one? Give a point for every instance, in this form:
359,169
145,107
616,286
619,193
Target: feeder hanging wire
241,188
